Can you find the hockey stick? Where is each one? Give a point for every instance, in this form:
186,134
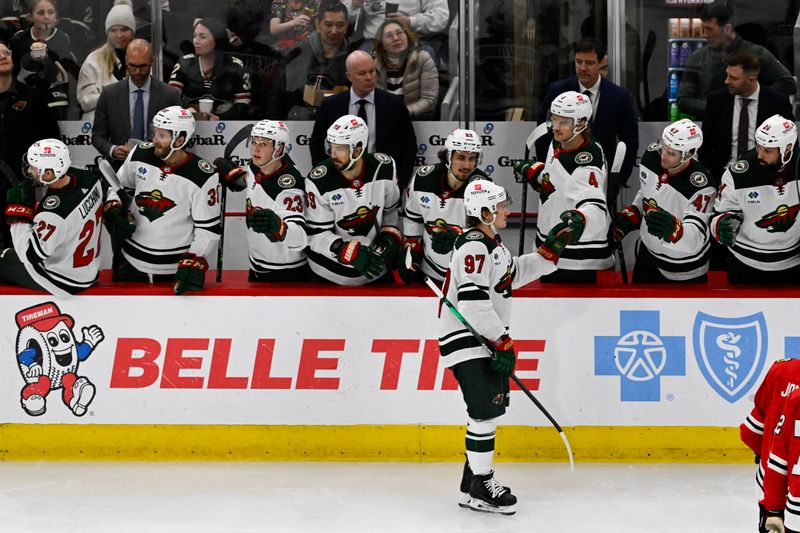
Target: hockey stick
8,174
490,349
537,133
619,156
237,138
107,171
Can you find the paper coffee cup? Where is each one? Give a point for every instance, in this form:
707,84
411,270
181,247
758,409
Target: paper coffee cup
205,104
38,50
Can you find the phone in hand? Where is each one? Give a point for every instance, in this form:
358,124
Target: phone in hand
391,7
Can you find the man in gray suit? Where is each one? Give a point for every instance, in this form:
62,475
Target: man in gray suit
126,107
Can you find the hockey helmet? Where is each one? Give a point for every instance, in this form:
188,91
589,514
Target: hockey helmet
481,194
49,154
177,120
348,130
461,140
683,136
274,130
572,105
777,132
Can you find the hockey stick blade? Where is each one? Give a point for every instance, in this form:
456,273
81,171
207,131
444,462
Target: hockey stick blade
619,157
237,138
8,174
108,174
438,292
537,133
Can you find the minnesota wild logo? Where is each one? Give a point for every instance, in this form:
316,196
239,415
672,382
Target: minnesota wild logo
152,205
780,220
360,222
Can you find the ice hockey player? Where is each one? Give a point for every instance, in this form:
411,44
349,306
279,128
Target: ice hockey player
275,208
757,207
434,207
758,429
672,209
175,207
573,177
353,203
56,242
479,282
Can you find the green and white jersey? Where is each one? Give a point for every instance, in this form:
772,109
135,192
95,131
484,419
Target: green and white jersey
769,237
339,208
479,281
175,209
284,193
61,249
431,202
578,178
689,197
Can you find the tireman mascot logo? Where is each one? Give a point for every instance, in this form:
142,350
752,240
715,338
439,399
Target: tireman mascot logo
48,354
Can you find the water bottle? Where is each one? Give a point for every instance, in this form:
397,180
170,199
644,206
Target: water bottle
674,83
674,54
674,113
684,54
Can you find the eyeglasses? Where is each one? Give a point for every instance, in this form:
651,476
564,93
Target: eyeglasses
5,53
137,67
395,34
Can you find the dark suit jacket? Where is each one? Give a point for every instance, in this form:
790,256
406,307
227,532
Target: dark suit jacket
394,134
718,124
112,118
614,120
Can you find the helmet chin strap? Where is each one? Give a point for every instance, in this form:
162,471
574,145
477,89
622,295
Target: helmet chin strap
575,133
783,160
353,161
173,148
274,151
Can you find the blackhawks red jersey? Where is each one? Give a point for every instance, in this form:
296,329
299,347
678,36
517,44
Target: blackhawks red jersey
782,476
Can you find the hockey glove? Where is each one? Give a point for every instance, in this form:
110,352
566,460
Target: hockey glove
774,524
504,358
568,231
664,225
726,227
362,258
230,175
20,202
117,222
626,221
528,170
267,222
191,274
443,237
410,258
387,244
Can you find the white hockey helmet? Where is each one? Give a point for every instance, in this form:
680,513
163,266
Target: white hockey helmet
461,140
777,132
350,130
683,136
274,130
480,194
573,105
49,154
177,120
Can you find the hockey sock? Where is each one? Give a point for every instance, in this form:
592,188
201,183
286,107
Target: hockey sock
480,444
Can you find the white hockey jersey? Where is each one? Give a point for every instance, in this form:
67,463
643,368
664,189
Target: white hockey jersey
339,208
284,193
176,210
479,282
578,178
769,237
688,196
61,249
430,202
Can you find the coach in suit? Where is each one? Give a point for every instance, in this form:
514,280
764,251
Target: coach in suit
729,132
125,108
390,128
613,117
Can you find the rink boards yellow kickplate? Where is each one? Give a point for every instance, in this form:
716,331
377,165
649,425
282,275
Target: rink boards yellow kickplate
27,442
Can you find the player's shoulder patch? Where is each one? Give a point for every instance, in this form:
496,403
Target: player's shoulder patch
145,145
188,56
51,202
383,159
698,179
205,166
653,147
79,167
474,236
318,172
236,61
425,170
286,181
740,166
583,158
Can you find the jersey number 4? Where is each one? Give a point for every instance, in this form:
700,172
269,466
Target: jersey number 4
90,234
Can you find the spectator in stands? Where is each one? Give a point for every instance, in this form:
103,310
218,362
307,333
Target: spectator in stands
705,68
426,17
725,119
406,70
24,119
390,128
323,54
120,115
106,64
613,118
211,73
292,21
10,23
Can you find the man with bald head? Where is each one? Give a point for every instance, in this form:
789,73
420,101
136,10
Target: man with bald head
126,107
386,115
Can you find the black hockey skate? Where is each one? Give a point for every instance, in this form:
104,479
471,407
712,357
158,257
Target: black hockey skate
489,496
466,481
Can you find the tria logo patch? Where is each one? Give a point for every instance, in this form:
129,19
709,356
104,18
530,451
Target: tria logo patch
152,204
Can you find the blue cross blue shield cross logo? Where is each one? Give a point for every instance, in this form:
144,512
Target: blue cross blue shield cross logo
640,356
730,352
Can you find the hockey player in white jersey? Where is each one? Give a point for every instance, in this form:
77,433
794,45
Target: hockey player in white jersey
479,284
174,213
572,177
757,207
434,207
275,208
56,243
672,208
353,203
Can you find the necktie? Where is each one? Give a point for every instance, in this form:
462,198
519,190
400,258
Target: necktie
588,93
137,131
744,127
362,110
